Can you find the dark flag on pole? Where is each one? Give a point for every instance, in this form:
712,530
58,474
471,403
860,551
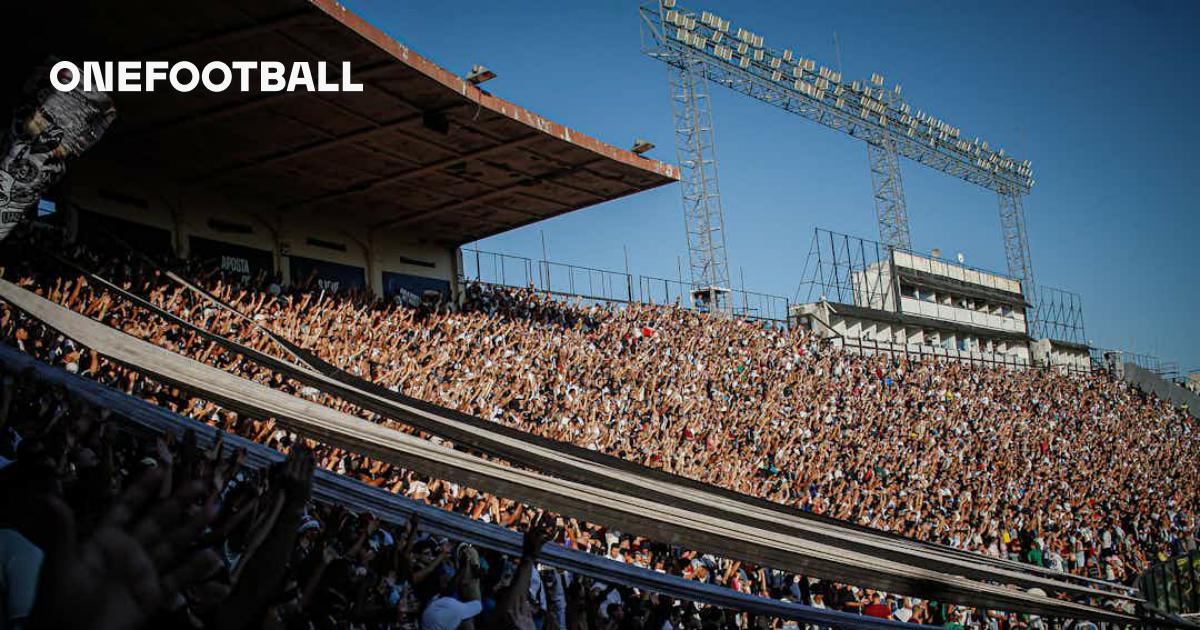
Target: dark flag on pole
47,129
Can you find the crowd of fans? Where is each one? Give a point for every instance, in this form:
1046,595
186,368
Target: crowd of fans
108,527
1066,472
597,605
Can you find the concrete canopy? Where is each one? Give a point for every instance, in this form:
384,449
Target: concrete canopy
418,149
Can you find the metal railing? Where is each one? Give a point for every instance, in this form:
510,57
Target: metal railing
1168,370
585,282
605,285
662,291
760,306
921,352
750,305
499,269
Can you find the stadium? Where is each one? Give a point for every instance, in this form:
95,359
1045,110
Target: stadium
254,375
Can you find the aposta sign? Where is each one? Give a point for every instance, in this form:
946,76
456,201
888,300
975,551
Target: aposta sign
215,76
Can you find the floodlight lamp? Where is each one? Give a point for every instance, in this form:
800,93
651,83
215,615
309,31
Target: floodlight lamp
480,74
641,146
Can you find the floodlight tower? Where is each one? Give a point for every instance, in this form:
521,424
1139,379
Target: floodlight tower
864,110
891,210
1016,248
696,151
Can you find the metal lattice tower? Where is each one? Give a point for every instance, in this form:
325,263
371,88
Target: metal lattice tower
737,59
1016,249
696,152
890,208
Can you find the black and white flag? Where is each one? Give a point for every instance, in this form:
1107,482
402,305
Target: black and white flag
48,128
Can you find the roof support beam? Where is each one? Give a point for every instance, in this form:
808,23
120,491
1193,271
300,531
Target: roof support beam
230,110
466,203
315,147
227,36
406,174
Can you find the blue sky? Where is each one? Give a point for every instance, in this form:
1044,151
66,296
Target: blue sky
1101,96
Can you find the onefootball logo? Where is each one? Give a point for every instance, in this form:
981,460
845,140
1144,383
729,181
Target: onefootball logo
185,76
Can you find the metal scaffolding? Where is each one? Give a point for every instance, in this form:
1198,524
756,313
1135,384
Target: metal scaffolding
1060,315
703,45
861,109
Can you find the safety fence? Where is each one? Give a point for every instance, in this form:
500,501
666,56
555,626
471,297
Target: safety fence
1168,370
604,285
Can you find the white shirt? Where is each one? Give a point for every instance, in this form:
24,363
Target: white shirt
445,613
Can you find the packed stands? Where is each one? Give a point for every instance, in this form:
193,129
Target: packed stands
712,410
255,551
1081,482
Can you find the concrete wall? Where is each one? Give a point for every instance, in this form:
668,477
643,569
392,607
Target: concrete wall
866,333
875,288
1007,319
1047,353
187,213
1070,358
956,272
1150,382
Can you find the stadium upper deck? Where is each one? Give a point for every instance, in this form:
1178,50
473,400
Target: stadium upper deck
419,148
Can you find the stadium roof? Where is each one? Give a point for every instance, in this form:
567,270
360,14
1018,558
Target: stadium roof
418,149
